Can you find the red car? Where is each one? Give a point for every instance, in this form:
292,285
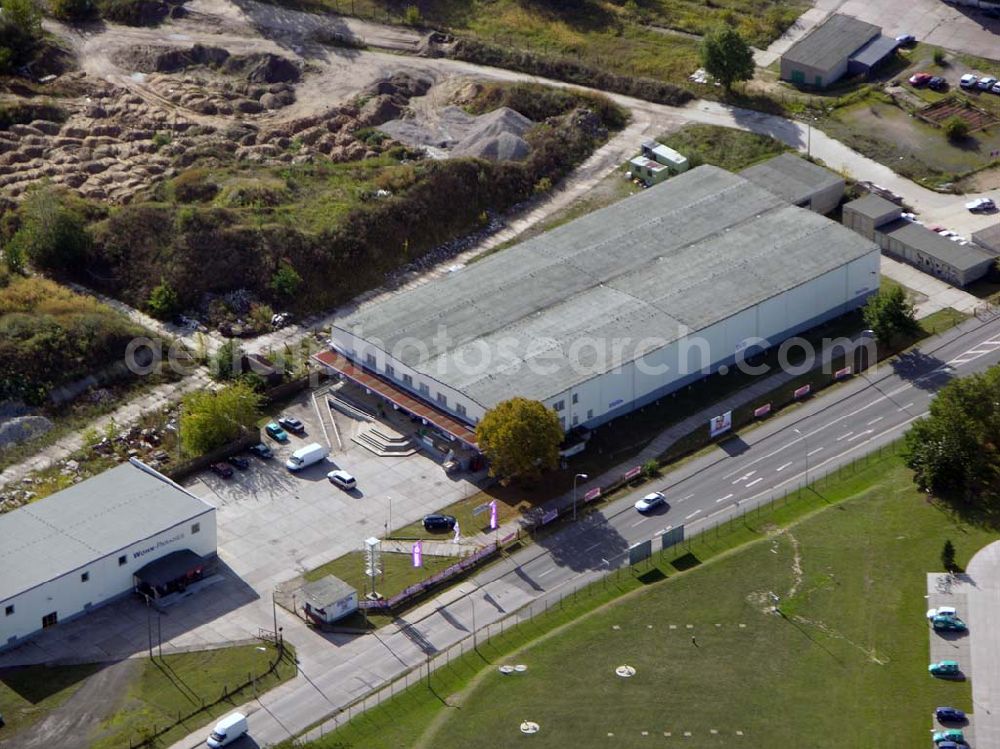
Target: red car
920,79
222,470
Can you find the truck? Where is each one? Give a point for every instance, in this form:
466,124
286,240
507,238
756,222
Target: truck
306,456
227,730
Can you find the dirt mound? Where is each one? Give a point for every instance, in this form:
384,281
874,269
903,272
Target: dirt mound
400,85
257,68
263,68
503,147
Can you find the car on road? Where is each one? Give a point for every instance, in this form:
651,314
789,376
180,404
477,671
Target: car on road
951,734
968,80
937,83
293,425
942,611
980,205
439,522
650,502
985,84
276,433
238,461
949,715
904,40
944,668
919,79
948,624
343,480
222,469
262,451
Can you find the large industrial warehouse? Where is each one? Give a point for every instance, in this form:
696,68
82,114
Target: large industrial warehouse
128,528
615,309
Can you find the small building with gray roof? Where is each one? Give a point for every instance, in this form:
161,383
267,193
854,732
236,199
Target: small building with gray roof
825,54
798,181
619,307
86,545
956,261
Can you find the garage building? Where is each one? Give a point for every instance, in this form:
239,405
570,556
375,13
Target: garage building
841,44
96,541
798,181
878,219
613,310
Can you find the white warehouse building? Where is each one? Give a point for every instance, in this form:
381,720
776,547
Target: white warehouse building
129,528
615,309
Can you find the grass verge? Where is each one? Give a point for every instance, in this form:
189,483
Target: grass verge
846,661
29,694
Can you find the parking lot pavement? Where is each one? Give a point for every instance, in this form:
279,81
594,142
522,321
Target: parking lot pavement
984,613
953,591
274,524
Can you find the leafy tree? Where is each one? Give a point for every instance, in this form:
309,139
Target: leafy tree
211,419
948,556
20,31
520,437
72,10
13,256
226,364
889,314
163,300
52,235
726,56
953,451
286,280
955,128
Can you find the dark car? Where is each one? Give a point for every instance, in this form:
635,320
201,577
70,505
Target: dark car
292,425
937,83
223,470
238,461
949,715
262,451
439,522
276,433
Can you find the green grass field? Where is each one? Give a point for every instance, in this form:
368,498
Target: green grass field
723,147
398,572
844,666
28,694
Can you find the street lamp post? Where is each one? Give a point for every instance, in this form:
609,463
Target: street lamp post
575,479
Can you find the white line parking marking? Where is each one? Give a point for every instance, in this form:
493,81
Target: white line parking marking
875,421
755,481
543,574
783,467
813,452
692,514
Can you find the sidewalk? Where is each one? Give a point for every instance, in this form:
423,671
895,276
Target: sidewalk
937,294
983,599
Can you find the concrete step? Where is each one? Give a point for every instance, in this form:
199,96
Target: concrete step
350,409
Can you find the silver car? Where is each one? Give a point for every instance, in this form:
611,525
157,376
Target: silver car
650,502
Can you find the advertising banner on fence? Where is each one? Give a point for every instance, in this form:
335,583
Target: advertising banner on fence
592,494
803,391
632,473
640,551
418,554
493,515
719,424
549,516
762,411
842,373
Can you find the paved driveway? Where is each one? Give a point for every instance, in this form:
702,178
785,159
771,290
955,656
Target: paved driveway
983,597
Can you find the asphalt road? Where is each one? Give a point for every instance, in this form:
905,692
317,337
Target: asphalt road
831,430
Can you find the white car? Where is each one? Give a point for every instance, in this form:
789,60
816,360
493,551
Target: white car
942,611
986,83
343,480
980,204
651,502
968,80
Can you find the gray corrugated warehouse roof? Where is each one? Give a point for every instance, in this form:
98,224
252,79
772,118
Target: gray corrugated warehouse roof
873,206
669,261
872,53
962,257
72,528
988,238
834,40
791,177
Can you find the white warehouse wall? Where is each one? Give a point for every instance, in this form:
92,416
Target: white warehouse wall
69,597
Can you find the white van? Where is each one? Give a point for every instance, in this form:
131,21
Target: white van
227,730
306,456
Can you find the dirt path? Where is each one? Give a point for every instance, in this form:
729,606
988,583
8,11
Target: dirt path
72,724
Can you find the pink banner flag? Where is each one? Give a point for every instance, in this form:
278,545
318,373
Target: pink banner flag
763,410
803,391
418,554
493,515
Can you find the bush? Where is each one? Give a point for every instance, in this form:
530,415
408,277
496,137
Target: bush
955,128
939,58
539,102
194,186
412,16
52,235
133,12
72,10
163,301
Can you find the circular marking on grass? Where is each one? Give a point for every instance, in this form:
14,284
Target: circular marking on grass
529,727
689,626
520,668
687,733
610,734
718,625
673,626
615,627
649,626
712,731
645,733
743,626
626,672
739,733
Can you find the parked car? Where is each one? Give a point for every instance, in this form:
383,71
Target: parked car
937,83
950,734
238,461
280,319
904,40
985,84
343,480
650,502
949,715
223,470
276,433
262,451
941,611
948,624
920,79
951,745
944,668
968,80
439,522
981,205
293,425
